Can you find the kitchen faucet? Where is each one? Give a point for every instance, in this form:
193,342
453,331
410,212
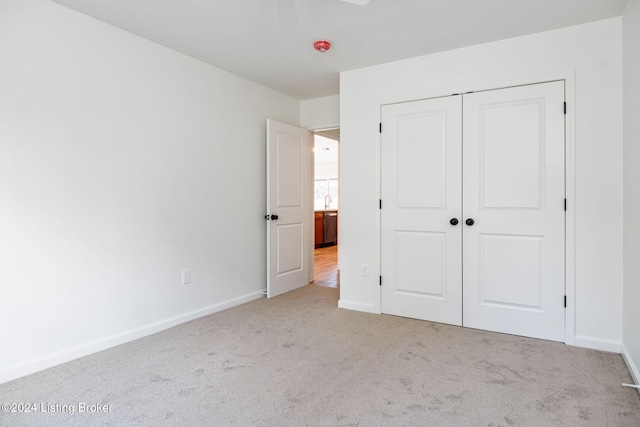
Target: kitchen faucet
327,204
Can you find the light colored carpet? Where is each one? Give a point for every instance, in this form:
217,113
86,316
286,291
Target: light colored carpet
298,360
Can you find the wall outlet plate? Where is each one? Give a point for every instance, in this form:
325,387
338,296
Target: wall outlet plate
186,276
365,269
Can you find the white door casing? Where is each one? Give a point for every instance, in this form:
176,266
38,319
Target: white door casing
510,261
514,190
421,181
289,211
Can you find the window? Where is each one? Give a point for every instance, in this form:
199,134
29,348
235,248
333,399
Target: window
326,173
322,189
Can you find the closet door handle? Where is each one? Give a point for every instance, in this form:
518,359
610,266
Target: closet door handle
454,221
469,222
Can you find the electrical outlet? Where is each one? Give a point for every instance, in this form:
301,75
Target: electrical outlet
365,269
186,277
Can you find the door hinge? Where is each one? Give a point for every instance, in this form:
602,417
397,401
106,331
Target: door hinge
565,204
565,301
380,127
380,280
565,108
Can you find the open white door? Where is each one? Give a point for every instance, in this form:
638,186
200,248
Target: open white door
289,208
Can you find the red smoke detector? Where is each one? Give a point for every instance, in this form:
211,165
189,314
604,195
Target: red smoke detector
322,46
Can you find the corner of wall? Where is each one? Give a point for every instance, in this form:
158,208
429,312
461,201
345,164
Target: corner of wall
633,369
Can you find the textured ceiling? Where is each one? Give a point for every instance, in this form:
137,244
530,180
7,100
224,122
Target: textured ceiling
243,37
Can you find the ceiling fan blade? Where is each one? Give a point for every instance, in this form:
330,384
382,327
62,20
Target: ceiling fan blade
358,2
287,14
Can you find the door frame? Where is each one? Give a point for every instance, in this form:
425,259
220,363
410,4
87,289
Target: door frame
312,133
569,87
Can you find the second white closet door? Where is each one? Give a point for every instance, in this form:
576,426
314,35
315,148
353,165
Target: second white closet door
513,187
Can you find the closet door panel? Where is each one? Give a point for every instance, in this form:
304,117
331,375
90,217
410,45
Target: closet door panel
421,185
513,190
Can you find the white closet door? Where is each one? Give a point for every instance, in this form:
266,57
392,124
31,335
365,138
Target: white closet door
513,254
421,182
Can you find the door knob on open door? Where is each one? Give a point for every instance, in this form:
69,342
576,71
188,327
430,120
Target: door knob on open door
469,221
454,221
274,217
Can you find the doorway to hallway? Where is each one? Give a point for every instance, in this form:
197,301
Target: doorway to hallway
326,207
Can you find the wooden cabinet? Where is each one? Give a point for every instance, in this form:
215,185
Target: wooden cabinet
319,229
326,228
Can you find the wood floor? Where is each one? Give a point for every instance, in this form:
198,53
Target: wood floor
326,271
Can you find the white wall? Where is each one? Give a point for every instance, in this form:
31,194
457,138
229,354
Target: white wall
325,161
320,113
631,310
591,53
121,163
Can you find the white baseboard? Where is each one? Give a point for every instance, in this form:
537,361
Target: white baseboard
350,305
25,368
597,344
633,369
